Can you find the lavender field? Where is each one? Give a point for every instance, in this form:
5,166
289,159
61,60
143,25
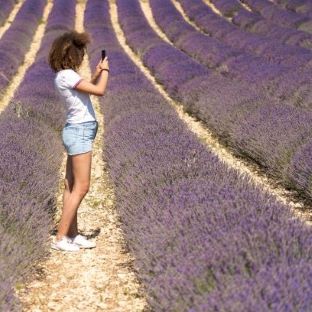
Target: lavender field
204,236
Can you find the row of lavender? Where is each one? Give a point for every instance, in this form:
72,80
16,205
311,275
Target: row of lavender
229,8
6,6
219,28
31,154
203,237
272,14
298,6
279,16
17,39
288,76
274,134
234,63
254,22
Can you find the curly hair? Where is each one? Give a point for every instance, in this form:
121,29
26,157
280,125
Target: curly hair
67,51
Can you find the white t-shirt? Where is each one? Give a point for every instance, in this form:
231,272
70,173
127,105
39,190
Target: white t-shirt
78,104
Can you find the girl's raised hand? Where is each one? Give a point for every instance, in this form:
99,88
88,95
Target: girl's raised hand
102,64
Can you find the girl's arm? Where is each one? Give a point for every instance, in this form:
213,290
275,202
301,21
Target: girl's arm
95,77
98,82
97,72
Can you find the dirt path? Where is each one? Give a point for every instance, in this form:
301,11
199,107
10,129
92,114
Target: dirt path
216,10
10,18
178,6
99,279
7,95
203,133
149,16
245,6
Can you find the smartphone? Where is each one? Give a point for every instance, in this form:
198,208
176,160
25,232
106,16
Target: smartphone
103,54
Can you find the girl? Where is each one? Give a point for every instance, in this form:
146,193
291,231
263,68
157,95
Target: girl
65,57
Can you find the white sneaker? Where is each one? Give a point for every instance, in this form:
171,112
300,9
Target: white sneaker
64,244
82,241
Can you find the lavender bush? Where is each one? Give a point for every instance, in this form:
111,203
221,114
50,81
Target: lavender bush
291,82
279,16
203,237
227,106
298,6
228,8
233,63
255,23
6,7
284,82
219,28
31,154
17,39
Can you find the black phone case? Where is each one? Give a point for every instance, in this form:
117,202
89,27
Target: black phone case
103,54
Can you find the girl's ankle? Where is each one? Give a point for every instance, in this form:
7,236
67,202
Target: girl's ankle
59,237
72,235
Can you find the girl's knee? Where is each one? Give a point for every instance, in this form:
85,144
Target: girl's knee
82,189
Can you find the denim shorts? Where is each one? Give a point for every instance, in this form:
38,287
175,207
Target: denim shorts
78,138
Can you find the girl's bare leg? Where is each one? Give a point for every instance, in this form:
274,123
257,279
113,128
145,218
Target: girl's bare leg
80,180
69,183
